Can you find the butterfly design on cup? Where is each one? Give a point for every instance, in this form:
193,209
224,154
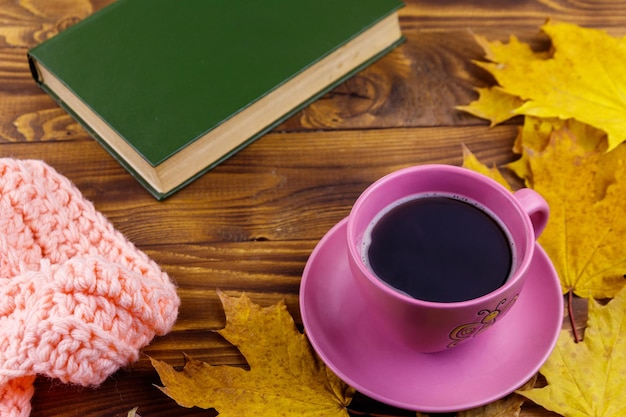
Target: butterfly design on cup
489,317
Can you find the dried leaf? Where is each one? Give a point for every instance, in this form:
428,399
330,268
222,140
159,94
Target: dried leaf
582,79
572,153
584,187
471,162
493,104
587,379
286,378
535,135
586,235
509,53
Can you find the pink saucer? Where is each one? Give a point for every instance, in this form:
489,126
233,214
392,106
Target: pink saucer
353,343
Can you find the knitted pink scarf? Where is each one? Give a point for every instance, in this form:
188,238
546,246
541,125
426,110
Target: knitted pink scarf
77,300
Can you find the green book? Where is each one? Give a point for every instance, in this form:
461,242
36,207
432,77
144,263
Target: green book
171,88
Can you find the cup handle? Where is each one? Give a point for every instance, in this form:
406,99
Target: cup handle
536,207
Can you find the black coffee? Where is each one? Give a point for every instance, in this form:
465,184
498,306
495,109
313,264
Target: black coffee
439,248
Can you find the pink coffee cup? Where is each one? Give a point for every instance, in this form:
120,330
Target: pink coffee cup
427,325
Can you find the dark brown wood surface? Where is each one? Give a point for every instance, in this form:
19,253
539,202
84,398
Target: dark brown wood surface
251,223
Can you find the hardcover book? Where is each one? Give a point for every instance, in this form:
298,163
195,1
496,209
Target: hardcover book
172,88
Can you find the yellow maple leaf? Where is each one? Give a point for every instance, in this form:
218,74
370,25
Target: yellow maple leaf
584,186
471,162
582,79
586,235
535,135
493,104
286,378
509,53
587,379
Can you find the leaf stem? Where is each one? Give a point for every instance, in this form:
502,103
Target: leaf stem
570,311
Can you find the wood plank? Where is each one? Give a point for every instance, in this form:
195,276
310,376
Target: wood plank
25,22
526,16
283,187
418,84
250,224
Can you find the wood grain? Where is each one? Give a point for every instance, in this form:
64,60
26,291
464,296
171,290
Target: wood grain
251,223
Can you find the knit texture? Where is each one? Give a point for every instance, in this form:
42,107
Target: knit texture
77,299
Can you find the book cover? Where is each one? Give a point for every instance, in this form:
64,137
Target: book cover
172,88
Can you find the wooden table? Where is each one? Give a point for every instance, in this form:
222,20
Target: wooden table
250,224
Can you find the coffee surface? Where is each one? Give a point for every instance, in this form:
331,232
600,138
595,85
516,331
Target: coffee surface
439,248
